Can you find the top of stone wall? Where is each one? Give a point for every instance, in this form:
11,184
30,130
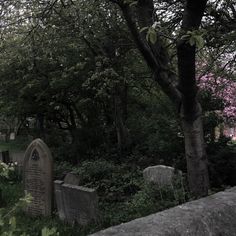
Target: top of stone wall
210,216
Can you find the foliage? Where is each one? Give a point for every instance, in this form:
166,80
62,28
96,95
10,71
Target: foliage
156,132
4,170
62,168
151,199
123,196
194,37
222,94
113,182
222,162
89,90
8,223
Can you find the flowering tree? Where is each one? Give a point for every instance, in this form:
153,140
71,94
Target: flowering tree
223,92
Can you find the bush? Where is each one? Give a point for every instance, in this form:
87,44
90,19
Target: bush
61,169
151,198
113,182
223,167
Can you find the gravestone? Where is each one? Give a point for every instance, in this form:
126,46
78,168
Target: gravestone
37,175
12,136
5,157
161,175
3,137
72,178
76,204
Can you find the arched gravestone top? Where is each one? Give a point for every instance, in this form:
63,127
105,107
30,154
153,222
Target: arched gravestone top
37,177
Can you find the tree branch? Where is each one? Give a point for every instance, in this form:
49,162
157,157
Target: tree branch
155,56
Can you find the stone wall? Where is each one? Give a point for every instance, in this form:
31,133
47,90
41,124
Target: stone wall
214,215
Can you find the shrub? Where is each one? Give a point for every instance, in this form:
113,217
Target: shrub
223,167
113,182
61,169
151,198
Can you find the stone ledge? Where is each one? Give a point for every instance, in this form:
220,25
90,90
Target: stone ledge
214,215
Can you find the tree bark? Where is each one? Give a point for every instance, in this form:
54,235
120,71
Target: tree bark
191,111
123,136
196,157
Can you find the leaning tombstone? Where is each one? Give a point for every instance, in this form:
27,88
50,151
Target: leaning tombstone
76,204
161,175
72,178
37,176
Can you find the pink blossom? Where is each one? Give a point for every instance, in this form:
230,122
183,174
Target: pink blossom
223,89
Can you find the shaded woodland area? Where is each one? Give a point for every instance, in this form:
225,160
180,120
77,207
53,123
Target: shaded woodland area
115,86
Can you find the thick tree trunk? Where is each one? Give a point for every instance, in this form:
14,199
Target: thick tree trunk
196,158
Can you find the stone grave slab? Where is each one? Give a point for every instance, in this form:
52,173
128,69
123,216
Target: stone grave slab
76,204
37,177
161,175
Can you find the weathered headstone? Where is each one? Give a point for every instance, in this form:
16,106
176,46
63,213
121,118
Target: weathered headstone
3,137
37,174
76,204
12,136
161,175
72,178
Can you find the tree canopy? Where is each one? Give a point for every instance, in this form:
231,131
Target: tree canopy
107,74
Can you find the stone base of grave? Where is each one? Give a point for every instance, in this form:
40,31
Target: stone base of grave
76,204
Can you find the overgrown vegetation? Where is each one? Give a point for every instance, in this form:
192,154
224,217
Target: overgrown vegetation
123,196
113,89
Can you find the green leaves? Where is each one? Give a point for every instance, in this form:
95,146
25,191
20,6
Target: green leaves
12,222
49,232
5,169
23,202
151,35
8,222
194,37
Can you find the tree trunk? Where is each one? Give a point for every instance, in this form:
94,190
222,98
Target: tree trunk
197,165
123,137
